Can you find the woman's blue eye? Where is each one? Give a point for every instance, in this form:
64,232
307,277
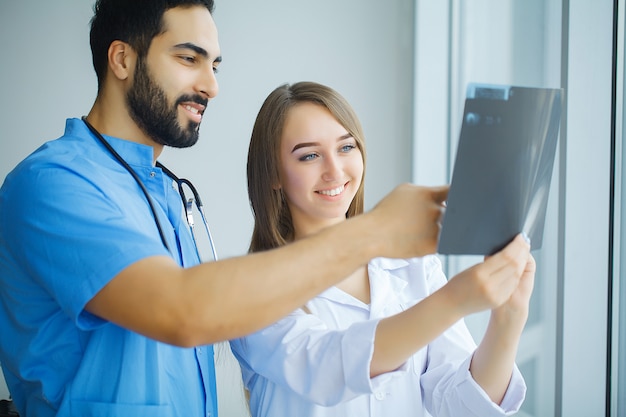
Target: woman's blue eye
347,148
308,157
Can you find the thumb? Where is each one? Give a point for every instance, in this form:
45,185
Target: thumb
440,193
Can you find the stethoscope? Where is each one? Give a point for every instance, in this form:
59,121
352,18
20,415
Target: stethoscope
188,203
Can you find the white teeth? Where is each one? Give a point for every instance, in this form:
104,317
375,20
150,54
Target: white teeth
333,192
192,109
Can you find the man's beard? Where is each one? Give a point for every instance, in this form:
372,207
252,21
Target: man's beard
149,108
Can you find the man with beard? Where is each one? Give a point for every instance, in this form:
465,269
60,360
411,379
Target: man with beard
101,312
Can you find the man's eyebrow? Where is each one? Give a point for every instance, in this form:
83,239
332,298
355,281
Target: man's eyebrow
197,49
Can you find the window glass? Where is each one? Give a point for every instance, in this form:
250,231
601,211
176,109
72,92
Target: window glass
518,43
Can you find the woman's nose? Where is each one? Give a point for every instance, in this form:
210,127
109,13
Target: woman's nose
332,168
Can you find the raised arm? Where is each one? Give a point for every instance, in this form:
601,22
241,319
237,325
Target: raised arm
492,363
484,286
222,300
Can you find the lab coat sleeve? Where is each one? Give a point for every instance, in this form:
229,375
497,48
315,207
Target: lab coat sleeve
449,388
302,355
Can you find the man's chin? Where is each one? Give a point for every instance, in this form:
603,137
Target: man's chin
184,138
185,141
187,144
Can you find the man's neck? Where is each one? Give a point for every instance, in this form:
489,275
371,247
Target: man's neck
115,121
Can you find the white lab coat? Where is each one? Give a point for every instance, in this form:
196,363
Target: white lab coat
318,364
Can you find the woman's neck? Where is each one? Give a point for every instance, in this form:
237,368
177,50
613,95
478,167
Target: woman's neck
357,285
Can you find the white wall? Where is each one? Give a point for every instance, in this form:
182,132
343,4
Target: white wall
356,46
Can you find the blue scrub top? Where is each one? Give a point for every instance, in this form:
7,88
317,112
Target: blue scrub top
72,218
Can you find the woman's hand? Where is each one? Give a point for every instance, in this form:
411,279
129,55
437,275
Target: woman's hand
515,310
496,283
494,359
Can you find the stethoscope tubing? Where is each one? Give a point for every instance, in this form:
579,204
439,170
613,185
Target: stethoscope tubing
187,204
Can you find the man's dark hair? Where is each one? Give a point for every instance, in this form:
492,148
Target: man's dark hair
135,22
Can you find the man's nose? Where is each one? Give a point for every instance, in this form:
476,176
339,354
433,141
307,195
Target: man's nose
207,84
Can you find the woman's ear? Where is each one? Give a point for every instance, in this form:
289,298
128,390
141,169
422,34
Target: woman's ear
277,185
122,59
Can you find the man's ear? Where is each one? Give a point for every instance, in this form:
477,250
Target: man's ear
122,59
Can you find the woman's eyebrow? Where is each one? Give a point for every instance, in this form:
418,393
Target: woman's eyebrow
346,136
304,145
308,144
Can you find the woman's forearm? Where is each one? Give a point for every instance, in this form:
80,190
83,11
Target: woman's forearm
400,336
493,361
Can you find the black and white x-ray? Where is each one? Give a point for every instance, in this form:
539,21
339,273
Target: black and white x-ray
503,167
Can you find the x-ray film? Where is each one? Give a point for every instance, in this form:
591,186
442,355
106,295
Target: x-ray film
501,176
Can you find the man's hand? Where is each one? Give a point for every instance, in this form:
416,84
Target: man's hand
409,220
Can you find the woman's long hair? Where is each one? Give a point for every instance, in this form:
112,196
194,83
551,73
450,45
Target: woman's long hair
273,225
